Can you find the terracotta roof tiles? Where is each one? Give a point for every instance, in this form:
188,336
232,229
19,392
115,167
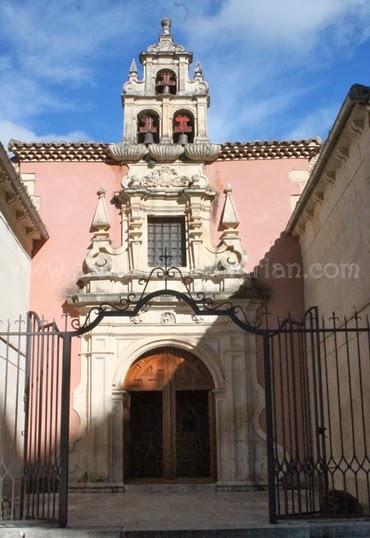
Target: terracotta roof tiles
98,151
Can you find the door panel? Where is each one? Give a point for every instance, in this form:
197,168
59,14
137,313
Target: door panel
146,443
192,434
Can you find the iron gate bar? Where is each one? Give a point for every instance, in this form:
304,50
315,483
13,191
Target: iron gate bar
64,430
269,430
42,451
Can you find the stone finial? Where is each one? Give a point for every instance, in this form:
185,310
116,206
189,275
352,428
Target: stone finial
229,217
100,222
166,25
198,72
133,67
133,70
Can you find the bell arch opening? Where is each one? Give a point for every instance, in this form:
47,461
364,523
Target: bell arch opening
148,127
165,82
169,425
183,127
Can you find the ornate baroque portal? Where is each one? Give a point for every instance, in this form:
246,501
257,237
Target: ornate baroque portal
165,205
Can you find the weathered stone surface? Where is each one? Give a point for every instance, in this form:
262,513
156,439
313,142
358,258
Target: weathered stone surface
165,153
202,152
127,152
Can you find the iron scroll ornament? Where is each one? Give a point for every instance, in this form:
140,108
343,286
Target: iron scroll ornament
131,304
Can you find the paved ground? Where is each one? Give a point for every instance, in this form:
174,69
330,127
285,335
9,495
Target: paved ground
189,510
179,512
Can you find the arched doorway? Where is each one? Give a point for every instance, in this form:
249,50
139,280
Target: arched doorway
169,419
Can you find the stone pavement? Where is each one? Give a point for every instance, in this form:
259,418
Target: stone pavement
180,512
160,509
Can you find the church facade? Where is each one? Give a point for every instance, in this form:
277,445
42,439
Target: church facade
165,395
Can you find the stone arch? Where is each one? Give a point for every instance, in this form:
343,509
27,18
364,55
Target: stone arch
183,126
166,82
148,126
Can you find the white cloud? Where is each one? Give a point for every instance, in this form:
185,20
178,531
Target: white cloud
257,54
60,40
52,46
283,24
9,129
265,55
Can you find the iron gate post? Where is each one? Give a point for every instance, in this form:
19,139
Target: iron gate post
26,413
269,429
64,431
322,430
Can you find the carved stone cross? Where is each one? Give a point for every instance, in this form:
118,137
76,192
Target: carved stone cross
182,126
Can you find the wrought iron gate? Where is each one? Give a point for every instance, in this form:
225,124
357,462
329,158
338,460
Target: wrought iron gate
34,406
317,389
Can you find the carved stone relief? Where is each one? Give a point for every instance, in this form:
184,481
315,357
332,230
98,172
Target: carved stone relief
168,318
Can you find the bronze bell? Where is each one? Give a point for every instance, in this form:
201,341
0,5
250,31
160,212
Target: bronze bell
148,138
183,139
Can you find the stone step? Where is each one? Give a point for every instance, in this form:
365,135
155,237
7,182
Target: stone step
166,489
353,529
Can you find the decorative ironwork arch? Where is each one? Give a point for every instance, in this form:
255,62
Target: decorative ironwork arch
200,304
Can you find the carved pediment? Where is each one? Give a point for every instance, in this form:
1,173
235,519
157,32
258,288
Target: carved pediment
164,178
165,45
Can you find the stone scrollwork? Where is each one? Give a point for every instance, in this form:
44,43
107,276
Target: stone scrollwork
165,178
162,178
168,318
98,262
229,261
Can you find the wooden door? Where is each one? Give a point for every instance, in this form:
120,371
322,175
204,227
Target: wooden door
146,444
181,412
192,434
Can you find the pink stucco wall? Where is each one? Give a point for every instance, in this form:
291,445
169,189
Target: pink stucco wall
68,198
261,191
262,194
67,191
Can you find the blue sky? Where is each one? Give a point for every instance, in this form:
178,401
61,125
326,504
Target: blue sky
276,69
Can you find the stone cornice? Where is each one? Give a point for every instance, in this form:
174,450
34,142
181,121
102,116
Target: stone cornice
352,119
17,206
98,151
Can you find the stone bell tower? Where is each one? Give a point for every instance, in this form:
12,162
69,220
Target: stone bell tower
165,111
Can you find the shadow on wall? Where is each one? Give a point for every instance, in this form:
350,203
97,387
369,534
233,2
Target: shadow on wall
199,369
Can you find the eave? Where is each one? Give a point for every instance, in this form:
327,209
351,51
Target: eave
18,209
98,151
